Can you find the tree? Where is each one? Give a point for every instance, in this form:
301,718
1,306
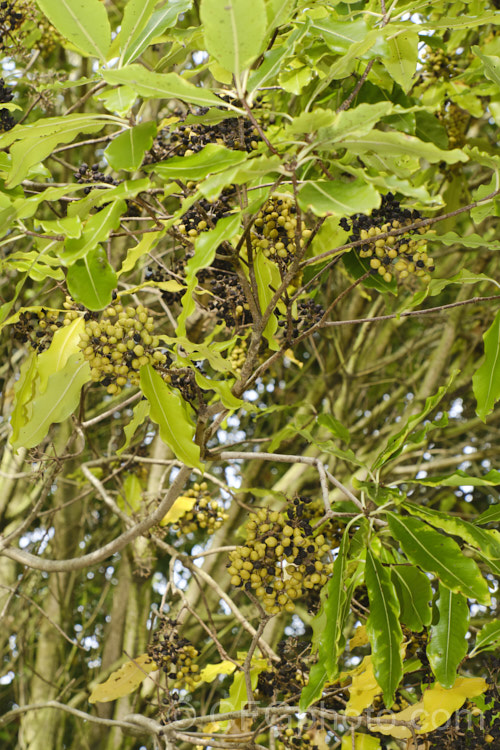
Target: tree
250,364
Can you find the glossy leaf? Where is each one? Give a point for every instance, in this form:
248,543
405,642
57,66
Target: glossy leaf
59,400
391,143
328,627
84,23
383,627
234,32
447,646
180,507
161,85
488,638
211,159
143,247
492,515
491,65
438,554
124,680
141,413
127,150
401,63
171,414
65,342
338,35
358,120
91,280
483,539
486,379
142,29
338,198
415,594
396,443
96,230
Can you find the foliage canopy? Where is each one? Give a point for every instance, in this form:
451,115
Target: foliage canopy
251,357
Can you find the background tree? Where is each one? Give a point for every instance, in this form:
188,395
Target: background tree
249,296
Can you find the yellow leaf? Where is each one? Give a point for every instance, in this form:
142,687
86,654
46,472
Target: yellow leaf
291,356
440,703
211,671
361,742
360,637
124,680
410,713
212,726
181,506
363,689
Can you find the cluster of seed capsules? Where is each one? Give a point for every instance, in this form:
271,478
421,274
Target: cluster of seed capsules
237,133
175,656
36,328
295,738
456,121
275,231
206,515
7,121
287,677
391,256
12,16
282,559
91,175
441,65
117,343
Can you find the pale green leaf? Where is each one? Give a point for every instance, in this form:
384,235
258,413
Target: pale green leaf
59,400
268,280
126,151
358,120
486,379
91,280
392,143
161,86
492,515
447,646
141,413
338,198
24,392
171,414
142,35
401,63
383,627
488,639
491,65
136,14
459,478
415,594
278,12
213,158
234,31
436,553
146,244
84,23
96,230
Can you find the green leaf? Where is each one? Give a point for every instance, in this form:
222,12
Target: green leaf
33,143
358,120
335,427
471,240
96,230
396,443
278,12
119,100
438,554
492,515
401,63
205,247
132,494
24,392
126,151
141,413
171,414
488,639
58,401
146,244
458,478
486,379
295,78
238,695
234,31
436,286
96,198
162,86
328,638
213,158
338,198
392,143
340,35
383,627
268,280
91,280
415,594
142,28
482,539
84,23
491,65
448,646
358,267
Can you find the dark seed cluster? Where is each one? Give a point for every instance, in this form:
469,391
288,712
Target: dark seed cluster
36,328
117,343
288,676
236,133
174,655
183,378
7,121
91,175
12,16
396,255
282,559
206,514
229,302
295,738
